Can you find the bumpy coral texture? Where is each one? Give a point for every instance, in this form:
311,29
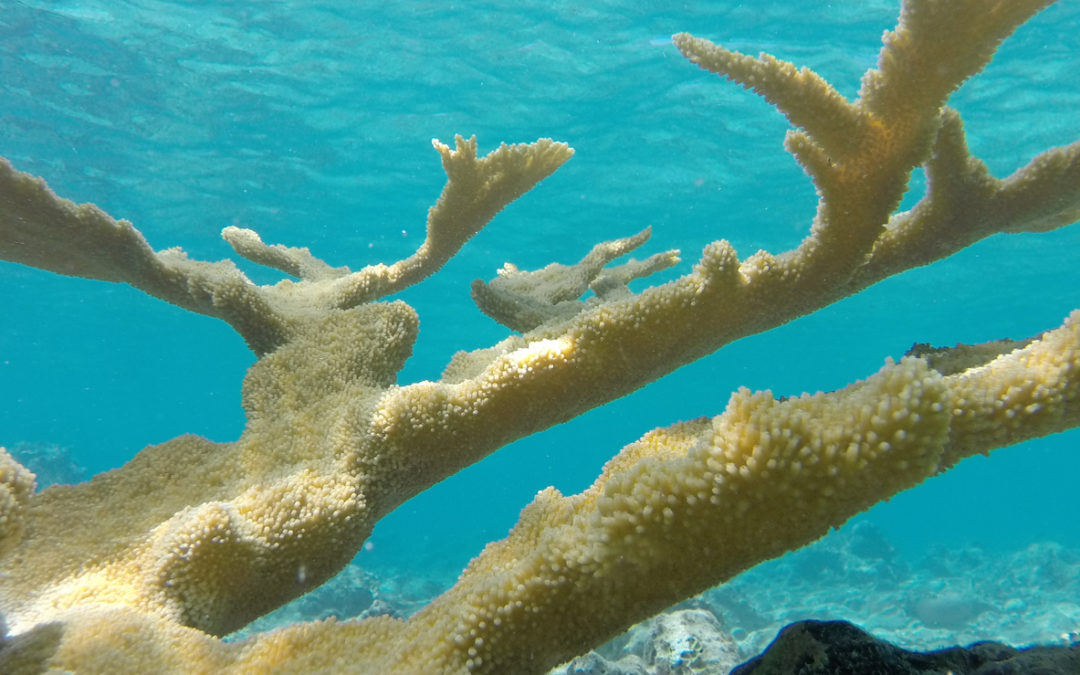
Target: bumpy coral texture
16,486
192,539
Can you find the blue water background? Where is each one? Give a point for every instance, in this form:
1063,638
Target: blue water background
311,123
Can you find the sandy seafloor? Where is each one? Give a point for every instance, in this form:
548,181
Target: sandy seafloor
311,123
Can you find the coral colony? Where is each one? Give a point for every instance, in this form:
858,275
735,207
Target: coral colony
193,539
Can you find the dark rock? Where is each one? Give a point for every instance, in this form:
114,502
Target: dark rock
841,648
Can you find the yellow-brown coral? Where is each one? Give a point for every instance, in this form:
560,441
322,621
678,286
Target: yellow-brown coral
192,539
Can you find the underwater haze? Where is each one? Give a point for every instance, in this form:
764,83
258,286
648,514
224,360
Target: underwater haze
311,123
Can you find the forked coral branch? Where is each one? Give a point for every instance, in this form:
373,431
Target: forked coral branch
40,229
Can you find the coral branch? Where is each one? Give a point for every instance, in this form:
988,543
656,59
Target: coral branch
524,300
938,45
477,189
40,229
763,478
16,486
297,262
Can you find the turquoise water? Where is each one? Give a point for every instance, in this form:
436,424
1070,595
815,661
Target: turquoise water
311,123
